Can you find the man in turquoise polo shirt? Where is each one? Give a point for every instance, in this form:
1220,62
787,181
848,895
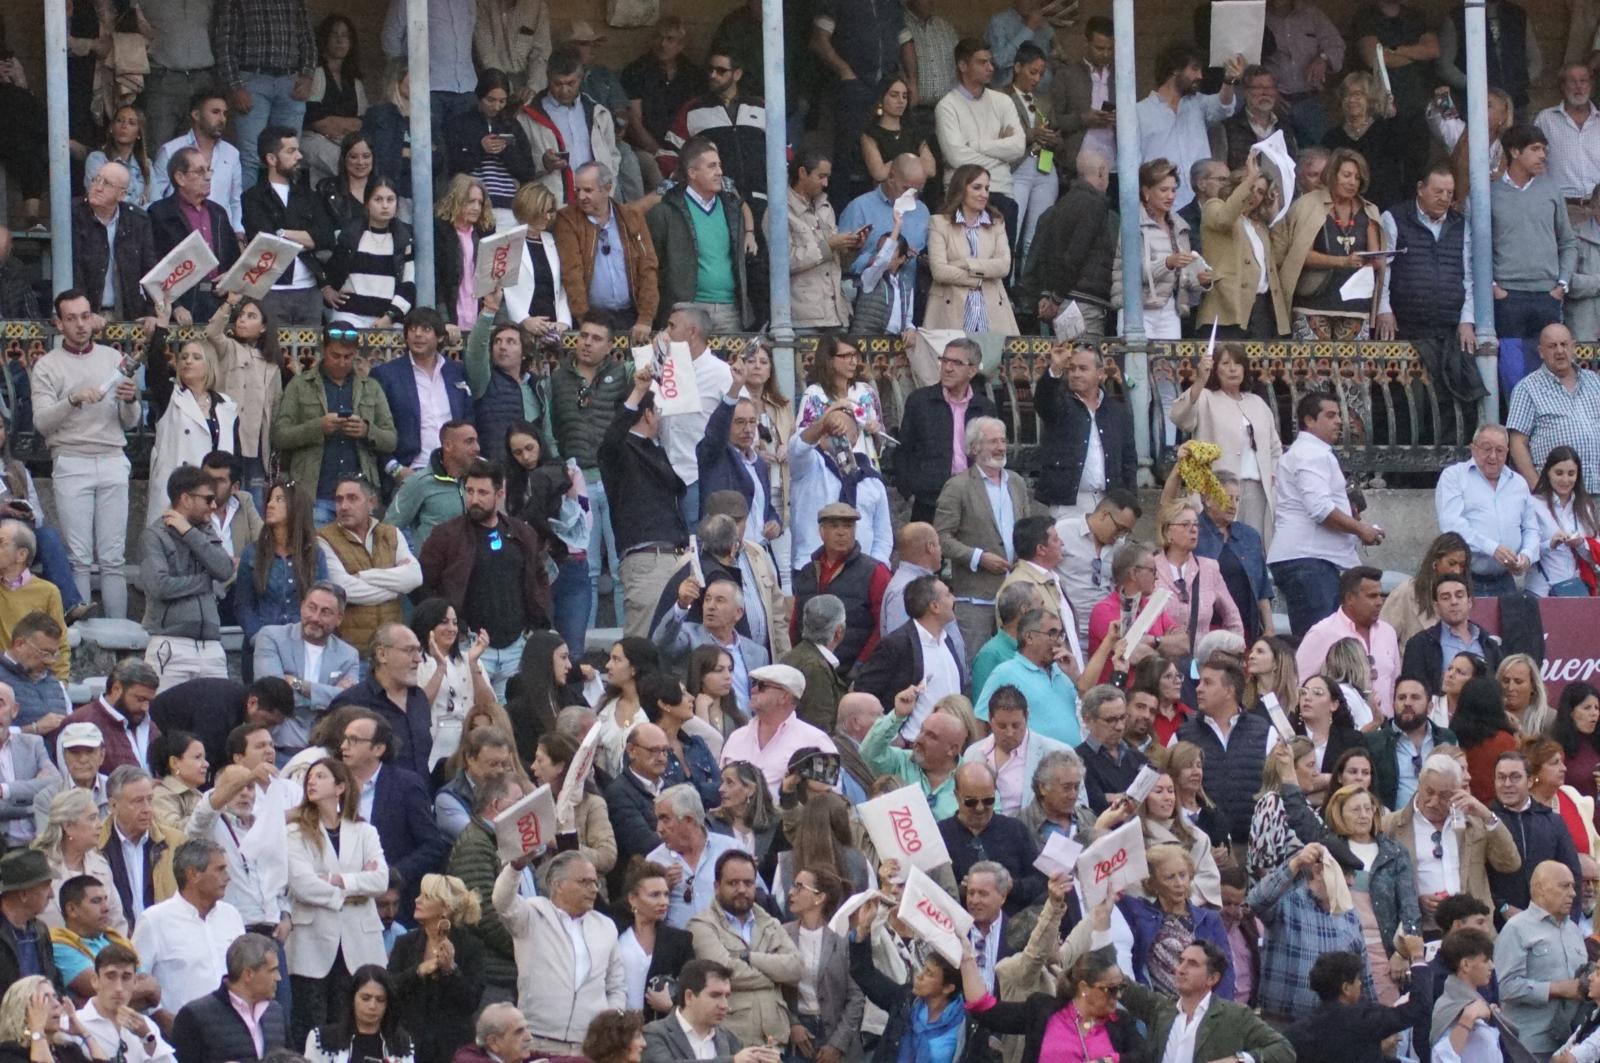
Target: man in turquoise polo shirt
1052,695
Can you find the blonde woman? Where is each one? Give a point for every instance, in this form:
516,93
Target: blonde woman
1247,300
1318,246
70,841
1348,665
1524,693
537,302
1172,273
1164,825
461,219
38,1026
337,871
1367,130
192,415
1200,599
438,968
1384,890
1269,668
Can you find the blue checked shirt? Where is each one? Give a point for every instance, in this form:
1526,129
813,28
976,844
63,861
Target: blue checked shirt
1298,931
1551,416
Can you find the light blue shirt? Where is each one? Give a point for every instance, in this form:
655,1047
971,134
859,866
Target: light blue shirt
1052,698
574,130
450,26
1005,515
108,296
1406,759
1452,646
875,209
1488,516
1182,136
368,792
702,879
1007,33
608,286
745,928
755,610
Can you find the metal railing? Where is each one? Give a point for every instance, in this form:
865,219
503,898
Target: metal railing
1395,422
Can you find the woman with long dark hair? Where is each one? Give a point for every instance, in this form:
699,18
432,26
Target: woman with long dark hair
337,871
371,279
667,705
344,195
245,339
1568,518
488,142
838,377
369,1028
276,570
178,761
1409,607
438,968
596,840
890,135
1462,669
631,657
338,97
1483,731
1577,728
125,144
553,498
546,682
452,678
1323,715
711,686
822,839
1270,669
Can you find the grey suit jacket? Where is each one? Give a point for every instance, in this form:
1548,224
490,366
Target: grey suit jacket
677,638
1071,95
840,1001
966,525
665,1042
32,771
280,650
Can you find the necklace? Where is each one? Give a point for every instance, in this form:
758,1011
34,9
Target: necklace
1343,232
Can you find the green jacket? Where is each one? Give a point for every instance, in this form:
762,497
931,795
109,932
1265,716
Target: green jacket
1227,1030
479,364
297,435
580,414
428,498
475,860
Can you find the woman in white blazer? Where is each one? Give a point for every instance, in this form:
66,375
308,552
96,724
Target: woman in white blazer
336,870
537,301
193,418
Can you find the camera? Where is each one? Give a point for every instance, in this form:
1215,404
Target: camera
819,767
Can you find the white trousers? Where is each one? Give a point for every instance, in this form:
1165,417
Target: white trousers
178,660
91,492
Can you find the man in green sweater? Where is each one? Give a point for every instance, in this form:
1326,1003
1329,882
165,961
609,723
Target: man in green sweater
1534,247
700,240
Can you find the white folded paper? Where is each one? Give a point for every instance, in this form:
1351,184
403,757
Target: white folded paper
677,388
266,259
499,261
695,569
1147,616
1361,285
1275,713
527,826
902,827
1059,855
1279,164
1142,784
934,915
840,923
1069,323
1114,862
184,266
578,773
1237,27
906,203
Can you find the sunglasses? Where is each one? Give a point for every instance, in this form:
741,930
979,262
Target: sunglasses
1113,989
977,802
1438,845
338,332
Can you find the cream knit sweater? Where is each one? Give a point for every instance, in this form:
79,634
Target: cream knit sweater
969,131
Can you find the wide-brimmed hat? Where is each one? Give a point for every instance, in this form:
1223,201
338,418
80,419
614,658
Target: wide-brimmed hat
23,869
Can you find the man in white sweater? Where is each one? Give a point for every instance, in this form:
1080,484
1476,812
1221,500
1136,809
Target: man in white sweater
979,125
569,968
84,407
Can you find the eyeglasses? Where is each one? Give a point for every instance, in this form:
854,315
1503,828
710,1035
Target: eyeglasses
808,887
208,499
355,740
977,802
846,353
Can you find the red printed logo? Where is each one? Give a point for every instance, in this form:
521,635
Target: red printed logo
528,830
500,263
669,379
904,831
262,267
1104,869
939,919
176,277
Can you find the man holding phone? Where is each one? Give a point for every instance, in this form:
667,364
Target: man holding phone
332,423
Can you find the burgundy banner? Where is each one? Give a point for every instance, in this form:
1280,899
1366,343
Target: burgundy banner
1571,648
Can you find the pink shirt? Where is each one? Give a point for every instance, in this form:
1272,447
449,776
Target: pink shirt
466,297
433,402
199,219
251,1014
958,428
1383,649
773,758
1011,779
1063,1043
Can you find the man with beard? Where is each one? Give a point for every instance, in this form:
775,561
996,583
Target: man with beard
122,714
208,118
742,936
280,203
1174,120
490,567
316,663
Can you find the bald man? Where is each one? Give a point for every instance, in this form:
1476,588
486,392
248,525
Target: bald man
977,833
1537,957
918,552
1556,404
631,796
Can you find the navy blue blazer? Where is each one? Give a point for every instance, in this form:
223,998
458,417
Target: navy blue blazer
395,378
723,469
402,814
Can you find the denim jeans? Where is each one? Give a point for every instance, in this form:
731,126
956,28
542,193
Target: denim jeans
57,566
502,664
272,103
1493,585
572,594
1522,316
1310,586
689,506
602,537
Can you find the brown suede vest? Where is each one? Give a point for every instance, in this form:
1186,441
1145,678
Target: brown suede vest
361,622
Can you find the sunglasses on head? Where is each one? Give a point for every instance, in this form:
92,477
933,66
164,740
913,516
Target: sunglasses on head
339,332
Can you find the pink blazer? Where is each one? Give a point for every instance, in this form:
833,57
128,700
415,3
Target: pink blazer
1217,608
